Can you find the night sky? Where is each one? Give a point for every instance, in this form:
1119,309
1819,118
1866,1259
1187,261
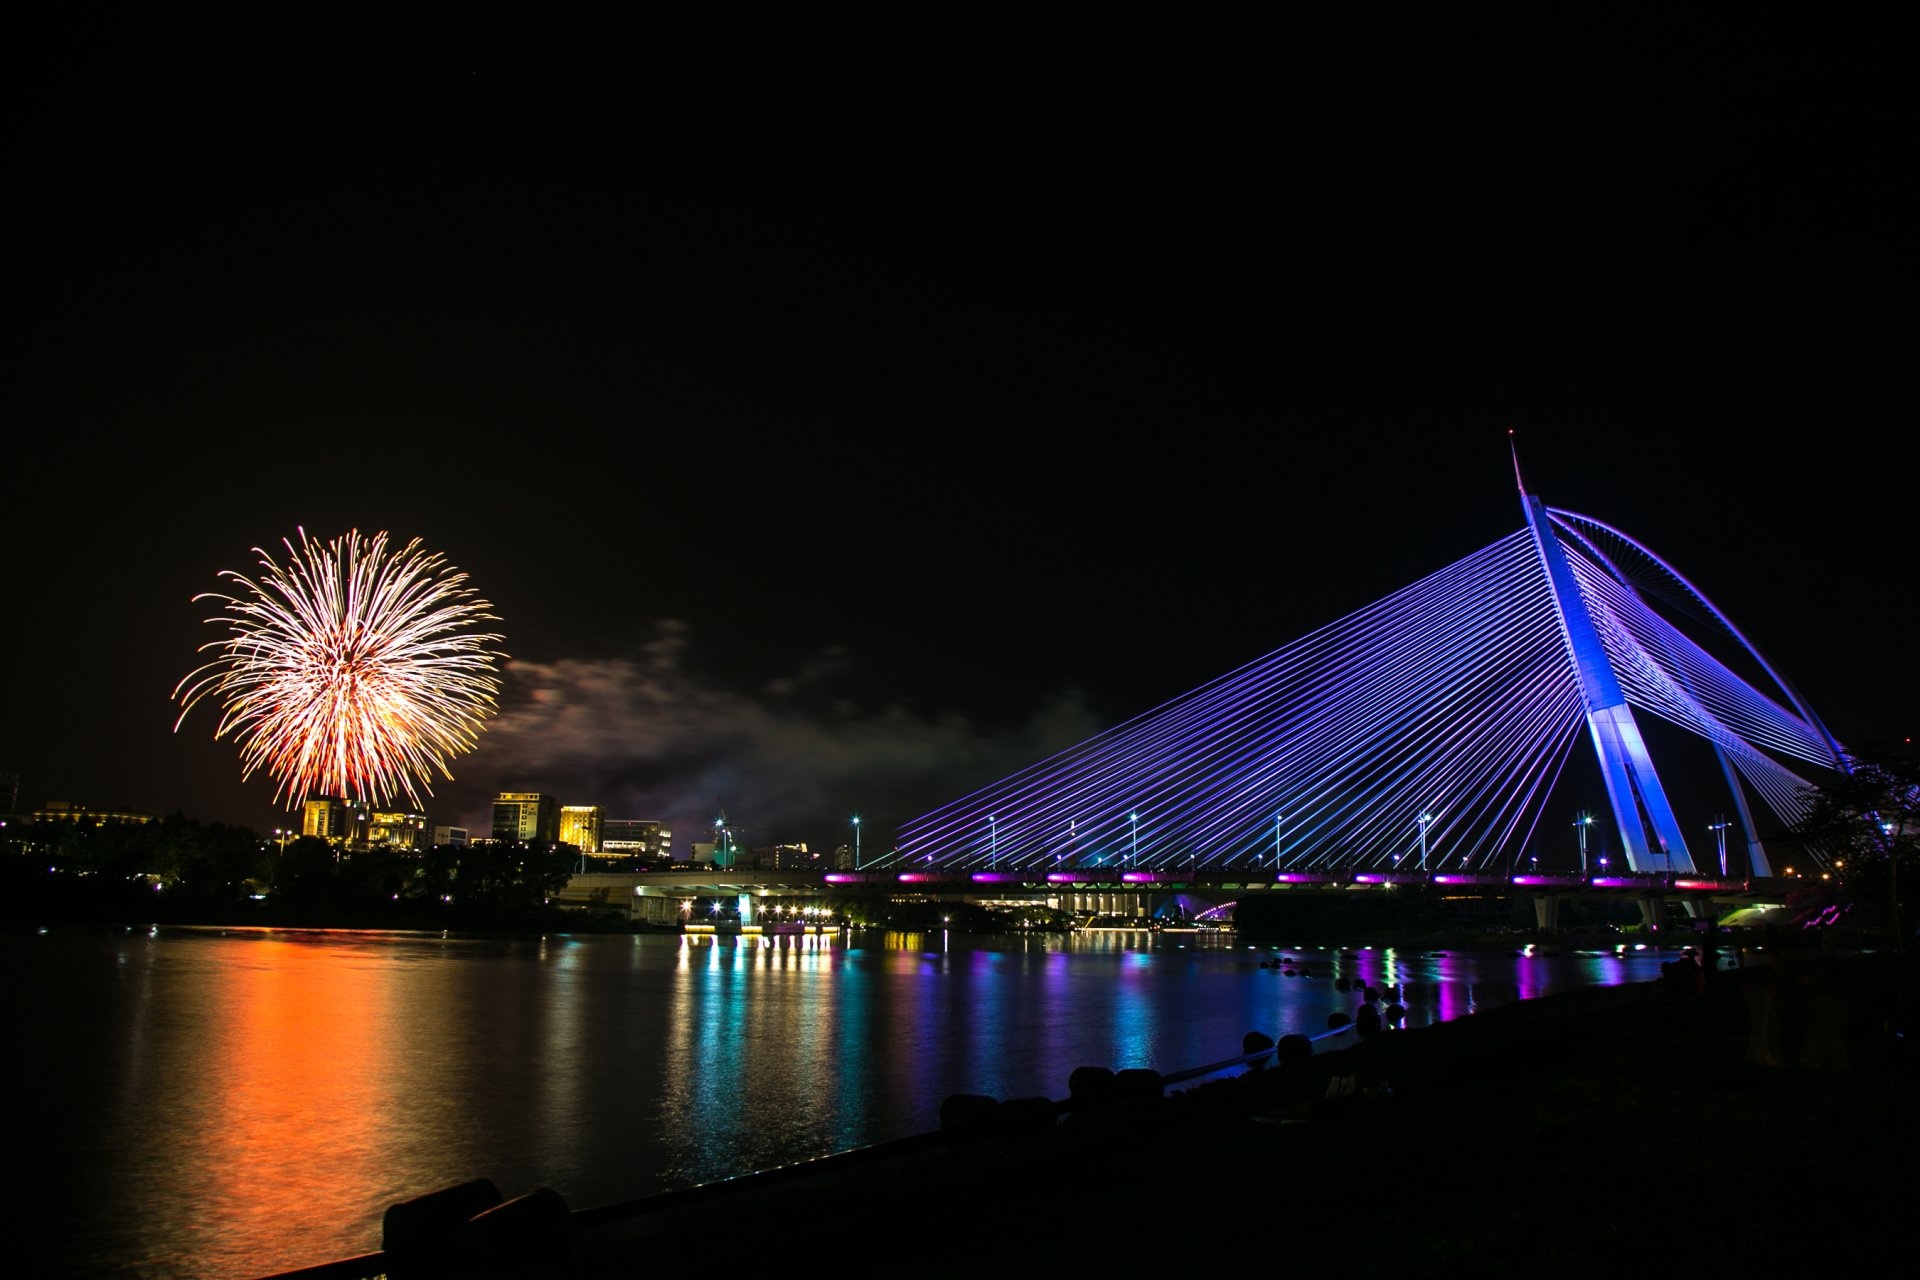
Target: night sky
837,439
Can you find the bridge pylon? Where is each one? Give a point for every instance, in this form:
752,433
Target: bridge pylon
1638,799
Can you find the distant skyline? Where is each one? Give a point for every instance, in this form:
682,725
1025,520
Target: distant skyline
836,445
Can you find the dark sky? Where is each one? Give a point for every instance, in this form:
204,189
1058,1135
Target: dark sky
837,439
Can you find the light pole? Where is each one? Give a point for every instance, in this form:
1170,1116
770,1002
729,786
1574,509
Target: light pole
993,844
856,842
1134,818
1425,818
1719,829
1581,824
1276,841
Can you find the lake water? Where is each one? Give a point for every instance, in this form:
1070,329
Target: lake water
226,1104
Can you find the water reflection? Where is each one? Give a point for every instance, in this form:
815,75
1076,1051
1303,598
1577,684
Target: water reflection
230,1103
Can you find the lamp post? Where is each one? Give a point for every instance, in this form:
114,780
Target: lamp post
1276,841
1719,829
1893,888
1581,824
1134,818
993,844
1425,818
856,842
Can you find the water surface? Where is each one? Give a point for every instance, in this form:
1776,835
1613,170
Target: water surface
224,1103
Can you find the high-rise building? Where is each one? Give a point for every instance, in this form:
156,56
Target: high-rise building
326,817
580,827
792,857
526,817
642,840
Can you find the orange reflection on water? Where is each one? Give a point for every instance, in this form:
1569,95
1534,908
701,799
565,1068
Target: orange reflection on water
283,1112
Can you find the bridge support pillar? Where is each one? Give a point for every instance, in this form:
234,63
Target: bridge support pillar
654,910
1546,913
1653,912
1699,908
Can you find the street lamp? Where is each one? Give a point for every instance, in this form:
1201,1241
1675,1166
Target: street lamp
1134,818
1425,818
856,842
1719,829
1581,824
1276,841
993,844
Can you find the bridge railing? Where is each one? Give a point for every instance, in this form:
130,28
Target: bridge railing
1648,881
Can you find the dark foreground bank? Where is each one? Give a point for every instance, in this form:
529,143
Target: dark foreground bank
1750,1121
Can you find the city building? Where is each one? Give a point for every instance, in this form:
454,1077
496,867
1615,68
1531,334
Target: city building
450,837
400,831
638,839
526,817
580,827
67,811
325,817
790,857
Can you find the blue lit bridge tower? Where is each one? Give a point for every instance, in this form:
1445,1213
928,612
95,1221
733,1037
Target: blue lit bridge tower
1426,734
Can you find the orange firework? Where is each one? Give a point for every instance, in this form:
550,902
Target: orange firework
353,671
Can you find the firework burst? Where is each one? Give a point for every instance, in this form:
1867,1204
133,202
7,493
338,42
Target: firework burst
353,671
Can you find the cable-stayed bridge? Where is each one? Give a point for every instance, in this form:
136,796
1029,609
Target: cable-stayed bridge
1440,729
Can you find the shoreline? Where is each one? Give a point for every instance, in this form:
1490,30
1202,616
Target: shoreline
1659,1110
1764,1113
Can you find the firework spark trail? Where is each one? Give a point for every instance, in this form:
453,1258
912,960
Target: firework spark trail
351,672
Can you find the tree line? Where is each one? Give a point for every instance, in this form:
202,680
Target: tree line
179,869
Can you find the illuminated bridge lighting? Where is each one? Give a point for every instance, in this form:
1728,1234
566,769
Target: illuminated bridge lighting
1434,723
